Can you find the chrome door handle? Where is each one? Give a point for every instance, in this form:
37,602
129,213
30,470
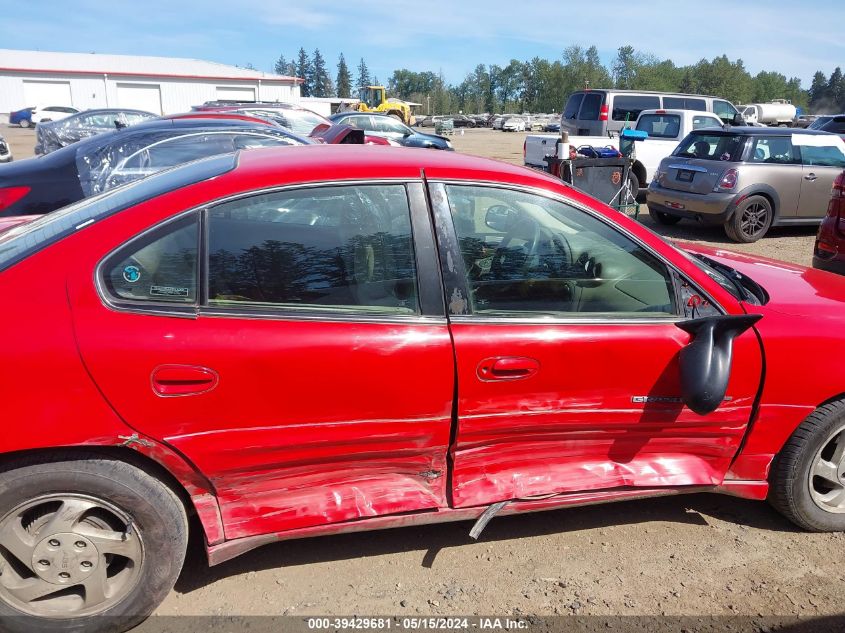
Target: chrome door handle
811,177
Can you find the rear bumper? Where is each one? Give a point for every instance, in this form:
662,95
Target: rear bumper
712,208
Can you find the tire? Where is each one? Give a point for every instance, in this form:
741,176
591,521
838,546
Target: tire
633,185
25,123
751,220
95,503
793,491
663,218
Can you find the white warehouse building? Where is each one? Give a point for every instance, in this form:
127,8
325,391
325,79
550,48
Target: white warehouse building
162,85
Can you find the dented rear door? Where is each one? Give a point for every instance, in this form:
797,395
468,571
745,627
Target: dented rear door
308,375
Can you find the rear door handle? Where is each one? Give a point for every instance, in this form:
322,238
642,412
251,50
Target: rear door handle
183,380
811,177
507,368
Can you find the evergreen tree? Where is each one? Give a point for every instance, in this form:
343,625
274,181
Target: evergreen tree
363,77
344,79
836,89
305,72
322,85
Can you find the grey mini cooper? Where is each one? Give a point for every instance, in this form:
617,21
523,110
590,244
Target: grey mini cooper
747,179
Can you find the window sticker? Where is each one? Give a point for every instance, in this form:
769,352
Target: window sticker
131,274
169,291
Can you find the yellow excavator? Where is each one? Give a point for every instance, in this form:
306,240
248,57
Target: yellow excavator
374,99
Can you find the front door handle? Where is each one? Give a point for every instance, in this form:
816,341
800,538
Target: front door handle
183,380
507,368
811,177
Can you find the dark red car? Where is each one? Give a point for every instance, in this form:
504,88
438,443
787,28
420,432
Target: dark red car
829,251
327,339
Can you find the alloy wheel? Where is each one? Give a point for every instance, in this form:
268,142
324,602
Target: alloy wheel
754,220
827,474
68,555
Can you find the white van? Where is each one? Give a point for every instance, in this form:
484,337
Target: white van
604,112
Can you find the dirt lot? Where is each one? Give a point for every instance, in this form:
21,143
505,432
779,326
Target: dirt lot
691,556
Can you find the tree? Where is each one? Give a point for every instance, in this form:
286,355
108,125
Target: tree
304,71
281,67
625,67
836,89
363,77
344,79
818,90
322,85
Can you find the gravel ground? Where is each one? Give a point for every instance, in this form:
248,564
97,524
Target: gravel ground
679,556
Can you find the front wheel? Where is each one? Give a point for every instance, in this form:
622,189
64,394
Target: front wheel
808,475
25,123
87,543
751,220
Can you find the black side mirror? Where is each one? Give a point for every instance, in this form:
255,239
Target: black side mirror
737,120
705,362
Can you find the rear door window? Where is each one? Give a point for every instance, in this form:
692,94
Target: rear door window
573,105
628,107
836,125
590,107
684,103
344,248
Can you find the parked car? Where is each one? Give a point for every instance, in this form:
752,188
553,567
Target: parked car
99,163
22,117
392,129
805,120
48,113
514,124
747,179
461,120
297,119
834,123
52,136
5,151
829,249
605,112
191,312
553,125
497,122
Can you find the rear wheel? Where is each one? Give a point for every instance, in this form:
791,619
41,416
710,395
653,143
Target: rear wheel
808,475
87,543
751,220
663,218
25,123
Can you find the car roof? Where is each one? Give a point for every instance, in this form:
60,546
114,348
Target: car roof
764,131
290,165
646,92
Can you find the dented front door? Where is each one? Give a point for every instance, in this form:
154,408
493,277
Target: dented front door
567,354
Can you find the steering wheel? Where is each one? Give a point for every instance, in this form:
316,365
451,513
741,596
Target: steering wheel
516,231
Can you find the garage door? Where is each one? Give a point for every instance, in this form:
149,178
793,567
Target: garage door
140,97
235,94
47,93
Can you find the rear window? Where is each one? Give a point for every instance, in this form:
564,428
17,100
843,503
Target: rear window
22,241
722,147
660,125
684,103
628,107
591,107
573,105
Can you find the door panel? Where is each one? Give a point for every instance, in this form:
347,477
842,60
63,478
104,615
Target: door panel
297,389
585,319
580,422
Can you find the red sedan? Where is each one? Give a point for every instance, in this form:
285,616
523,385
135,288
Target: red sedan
327,339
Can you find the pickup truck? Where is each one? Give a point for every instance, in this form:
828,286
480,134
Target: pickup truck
665,129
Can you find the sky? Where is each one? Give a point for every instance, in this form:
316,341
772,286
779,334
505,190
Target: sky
793,38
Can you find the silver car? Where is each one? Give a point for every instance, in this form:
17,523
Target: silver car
5,151
748,179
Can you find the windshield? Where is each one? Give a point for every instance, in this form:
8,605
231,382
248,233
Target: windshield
723,147
819,122
24,240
